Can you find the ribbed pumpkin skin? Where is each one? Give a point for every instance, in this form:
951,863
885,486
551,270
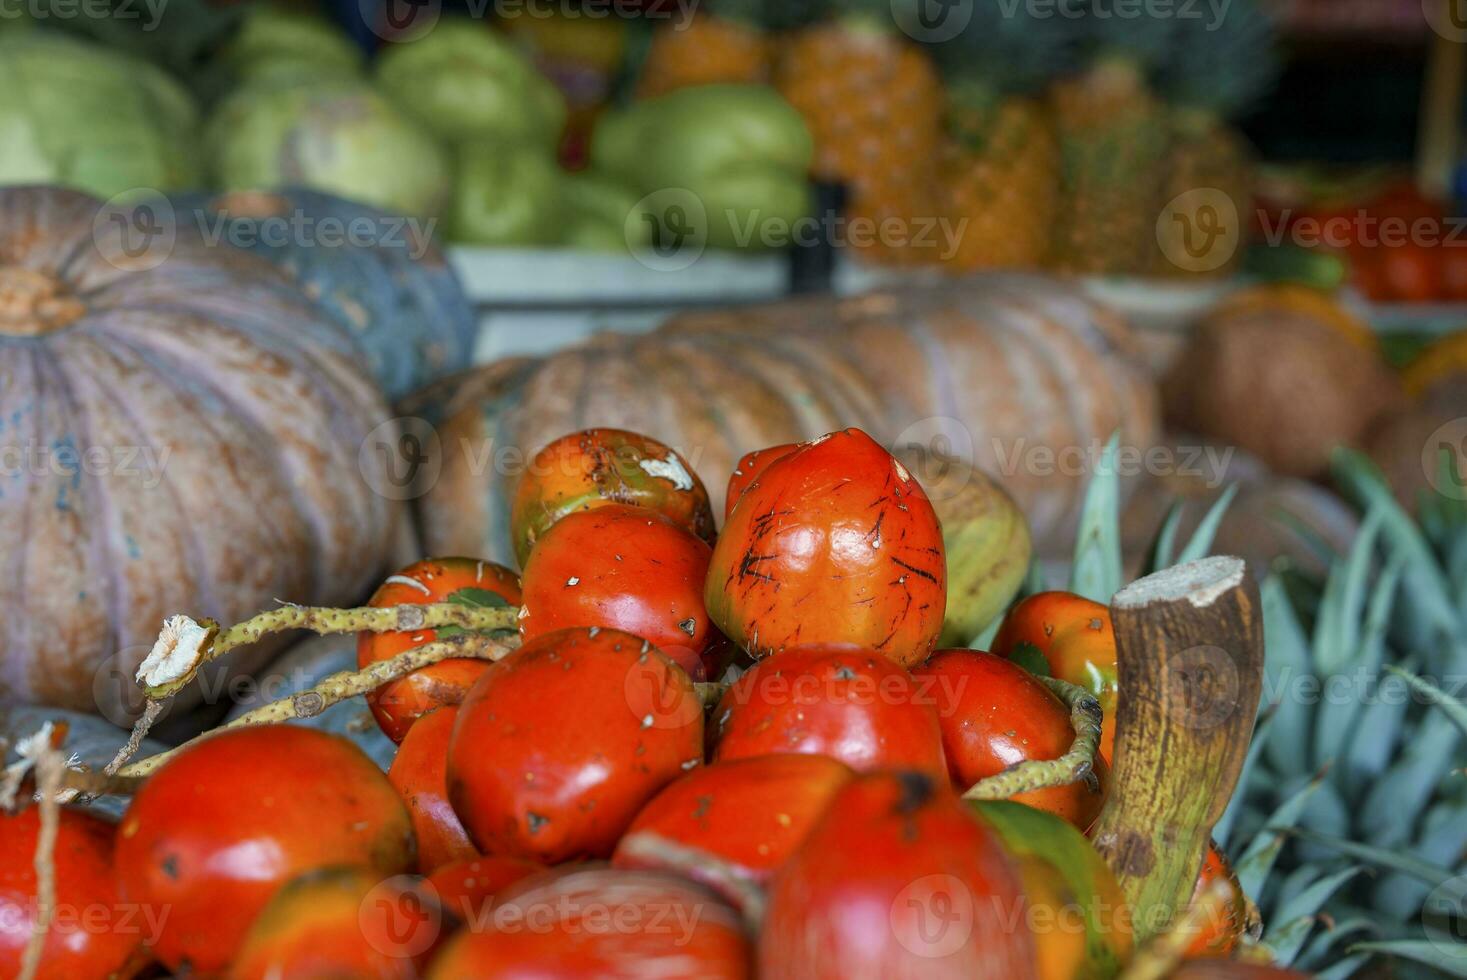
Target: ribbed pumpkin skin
409,313
213,358
1019,362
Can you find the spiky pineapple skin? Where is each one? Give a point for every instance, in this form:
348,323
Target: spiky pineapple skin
1000,186
711,50
1202,155
873,102
1112,137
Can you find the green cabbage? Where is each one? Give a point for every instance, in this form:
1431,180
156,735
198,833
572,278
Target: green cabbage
465,82
273,42
76,114
337,136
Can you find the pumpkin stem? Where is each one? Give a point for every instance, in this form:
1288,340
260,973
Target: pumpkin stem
1076,764
33,303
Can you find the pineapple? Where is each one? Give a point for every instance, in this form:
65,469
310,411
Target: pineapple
1345,771
873,100
998,172
1213,73
1112,133
725,42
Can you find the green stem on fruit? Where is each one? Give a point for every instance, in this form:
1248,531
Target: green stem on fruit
347,684
1076,764
171,678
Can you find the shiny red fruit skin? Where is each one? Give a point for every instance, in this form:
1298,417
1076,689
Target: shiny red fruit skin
898,880
397,705
625,568
602,923
93,934
467,888
749,814
846,702
559,745
341,922
994,715
834,543
597,467
220,826
749,467
419,774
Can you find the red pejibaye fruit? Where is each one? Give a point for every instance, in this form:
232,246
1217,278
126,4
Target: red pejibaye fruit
898,880
603,923
1221,934
995,715
220,826
625,568
749,467
834,543
590,469
92,933
731,825
559,745
468,887
342,922
419,773
398,704
845,702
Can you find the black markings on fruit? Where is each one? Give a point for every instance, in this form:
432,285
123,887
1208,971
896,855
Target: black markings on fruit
845,674
170,866
535,821
917,790
915,570
688,626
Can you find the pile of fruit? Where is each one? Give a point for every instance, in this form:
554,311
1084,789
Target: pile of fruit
1074,138
662,751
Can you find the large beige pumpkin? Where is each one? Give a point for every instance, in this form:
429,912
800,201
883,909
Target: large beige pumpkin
175,437
1019,374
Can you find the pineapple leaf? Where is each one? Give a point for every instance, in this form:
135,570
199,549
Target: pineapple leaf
1450,959
1259,859
1300,914
1201,544
1159,555
1403,792
1377,732
1287,661
1096,573
1343,969
1453,708
1336,631
1380,857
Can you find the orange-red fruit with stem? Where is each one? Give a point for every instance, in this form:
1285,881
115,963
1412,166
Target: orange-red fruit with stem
834,543
342,922
846,702
597,467
559,745
898,879
224,823
621,567
1220,936
398,704
750,465
92,933
749,815
995,715
419,773
1074,636
467,888
599,922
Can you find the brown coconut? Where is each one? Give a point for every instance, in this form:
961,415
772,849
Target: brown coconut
1406,443
1282,386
